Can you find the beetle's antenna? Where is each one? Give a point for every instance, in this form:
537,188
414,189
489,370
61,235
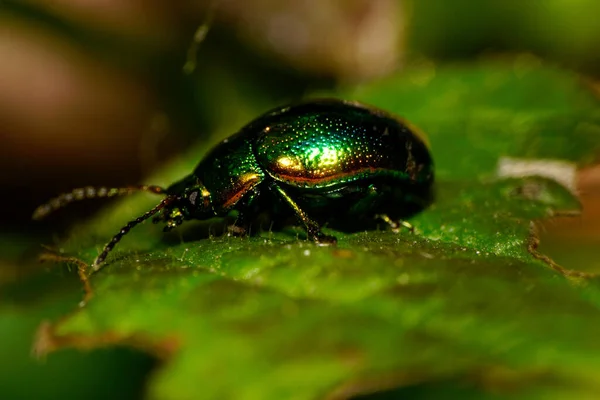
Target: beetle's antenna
90,193
124,230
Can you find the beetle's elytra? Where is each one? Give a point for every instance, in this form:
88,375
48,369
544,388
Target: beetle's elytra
322,160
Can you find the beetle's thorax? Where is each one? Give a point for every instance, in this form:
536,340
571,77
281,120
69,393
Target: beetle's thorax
230,173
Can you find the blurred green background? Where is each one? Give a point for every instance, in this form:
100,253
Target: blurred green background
94,93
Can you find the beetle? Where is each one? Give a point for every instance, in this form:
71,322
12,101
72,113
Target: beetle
320,160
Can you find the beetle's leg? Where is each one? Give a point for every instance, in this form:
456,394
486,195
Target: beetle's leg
237,230
395,224
313,229
376,197
239,226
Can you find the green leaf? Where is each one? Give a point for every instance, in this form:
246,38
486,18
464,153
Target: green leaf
466,298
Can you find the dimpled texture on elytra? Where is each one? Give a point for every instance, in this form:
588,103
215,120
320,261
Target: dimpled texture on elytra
333,145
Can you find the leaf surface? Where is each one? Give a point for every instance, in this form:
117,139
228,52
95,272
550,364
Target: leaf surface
465,298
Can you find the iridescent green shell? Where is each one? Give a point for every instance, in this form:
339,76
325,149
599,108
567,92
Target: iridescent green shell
334,143
314,147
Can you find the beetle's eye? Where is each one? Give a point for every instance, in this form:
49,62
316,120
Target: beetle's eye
193,197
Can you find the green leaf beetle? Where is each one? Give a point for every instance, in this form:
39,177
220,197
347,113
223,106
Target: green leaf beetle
323,160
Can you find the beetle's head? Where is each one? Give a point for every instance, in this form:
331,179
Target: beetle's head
191,202
185,200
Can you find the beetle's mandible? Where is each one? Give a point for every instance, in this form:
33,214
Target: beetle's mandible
323,160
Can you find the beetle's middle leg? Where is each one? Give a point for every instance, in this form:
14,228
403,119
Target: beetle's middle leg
313,229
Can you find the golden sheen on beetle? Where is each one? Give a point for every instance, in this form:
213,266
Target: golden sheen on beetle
322,161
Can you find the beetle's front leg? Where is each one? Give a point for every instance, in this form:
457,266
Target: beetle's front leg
313,229
241,226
